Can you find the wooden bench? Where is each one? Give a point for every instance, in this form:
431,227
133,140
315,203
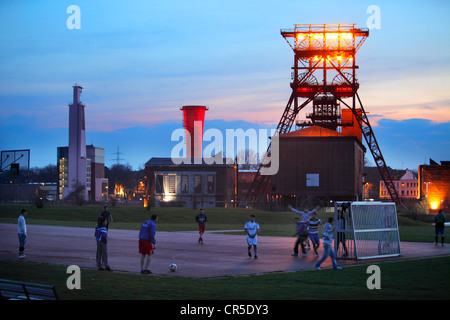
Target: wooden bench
15,290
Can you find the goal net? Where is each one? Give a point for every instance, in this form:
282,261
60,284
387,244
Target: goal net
366,230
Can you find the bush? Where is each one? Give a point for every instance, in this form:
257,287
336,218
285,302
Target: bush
417,210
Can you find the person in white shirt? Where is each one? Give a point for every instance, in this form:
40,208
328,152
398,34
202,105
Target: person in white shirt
22,232
252,228
306,215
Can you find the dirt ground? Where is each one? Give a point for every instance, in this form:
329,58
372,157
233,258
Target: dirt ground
221,254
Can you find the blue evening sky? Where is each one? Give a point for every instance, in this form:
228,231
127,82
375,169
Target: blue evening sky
140,61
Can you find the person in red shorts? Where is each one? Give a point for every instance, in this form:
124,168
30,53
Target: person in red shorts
201,220
147,242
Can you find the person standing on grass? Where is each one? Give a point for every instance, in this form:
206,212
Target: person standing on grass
439,226
251,229
22,232
107,215
327,236
201,220
147,242
101,237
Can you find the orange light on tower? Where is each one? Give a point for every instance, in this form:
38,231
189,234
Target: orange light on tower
326,50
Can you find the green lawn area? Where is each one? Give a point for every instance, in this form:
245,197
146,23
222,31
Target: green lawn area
418,279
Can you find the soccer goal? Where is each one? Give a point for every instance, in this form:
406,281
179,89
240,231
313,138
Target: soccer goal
366,230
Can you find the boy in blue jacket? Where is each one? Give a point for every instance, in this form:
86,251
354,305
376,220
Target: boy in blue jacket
101,237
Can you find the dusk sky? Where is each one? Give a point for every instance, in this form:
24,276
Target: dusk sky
140,61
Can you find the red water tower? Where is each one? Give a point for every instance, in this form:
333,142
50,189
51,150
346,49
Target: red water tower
193,122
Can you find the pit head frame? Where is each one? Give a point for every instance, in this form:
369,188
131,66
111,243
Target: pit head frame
325,69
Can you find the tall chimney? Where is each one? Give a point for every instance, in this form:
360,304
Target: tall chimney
193,122
77,163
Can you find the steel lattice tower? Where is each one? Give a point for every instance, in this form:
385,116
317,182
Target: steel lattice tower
324,73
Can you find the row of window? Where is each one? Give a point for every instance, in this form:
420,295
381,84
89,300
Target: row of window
407,184
399,184
401,187
169,185
384,192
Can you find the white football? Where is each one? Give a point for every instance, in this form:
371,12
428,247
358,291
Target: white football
173,267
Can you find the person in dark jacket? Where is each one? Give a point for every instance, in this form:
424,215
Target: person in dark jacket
302,235
201,220
439,226
107,215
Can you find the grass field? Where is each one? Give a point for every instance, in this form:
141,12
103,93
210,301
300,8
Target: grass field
419,279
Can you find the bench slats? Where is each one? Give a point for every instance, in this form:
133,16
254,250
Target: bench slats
26,291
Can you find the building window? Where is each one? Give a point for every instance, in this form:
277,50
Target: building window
198,184
159,185
312,179
211,184
184,183
172,184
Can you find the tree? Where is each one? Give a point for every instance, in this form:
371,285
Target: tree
247,159
48,173
120,174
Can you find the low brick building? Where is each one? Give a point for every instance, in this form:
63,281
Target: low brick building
434,184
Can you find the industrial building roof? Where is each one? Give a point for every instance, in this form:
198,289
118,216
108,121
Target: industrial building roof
313,131
176,162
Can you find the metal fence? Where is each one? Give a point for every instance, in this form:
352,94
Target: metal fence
365,230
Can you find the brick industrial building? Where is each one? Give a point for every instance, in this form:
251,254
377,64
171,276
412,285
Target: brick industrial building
434,184
321,163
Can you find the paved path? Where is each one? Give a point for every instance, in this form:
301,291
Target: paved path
220,255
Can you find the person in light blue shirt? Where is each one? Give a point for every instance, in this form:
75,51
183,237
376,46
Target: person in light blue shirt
327,237
22,232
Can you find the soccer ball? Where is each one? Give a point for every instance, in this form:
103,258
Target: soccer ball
173,267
